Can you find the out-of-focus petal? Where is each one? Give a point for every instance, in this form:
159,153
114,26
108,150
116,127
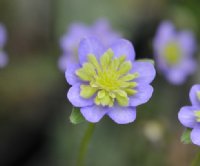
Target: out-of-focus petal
187,42
3,59
3,35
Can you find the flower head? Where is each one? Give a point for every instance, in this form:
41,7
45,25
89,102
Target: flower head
69,43
173,52
189,116
3,38
107,81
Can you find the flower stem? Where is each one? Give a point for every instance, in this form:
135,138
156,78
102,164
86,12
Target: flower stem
196,161
84,144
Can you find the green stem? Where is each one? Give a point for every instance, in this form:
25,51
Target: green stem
84,144
196,161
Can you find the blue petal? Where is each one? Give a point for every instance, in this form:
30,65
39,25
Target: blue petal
123,47
122,115
187,42
195,135
142,96
165,33
146,72
71,39
90,46
75,98
3,59
193,95
93,113
70,74
186,116
3,35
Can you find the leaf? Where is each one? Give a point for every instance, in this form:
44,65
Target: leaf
76,117
185,138
146,60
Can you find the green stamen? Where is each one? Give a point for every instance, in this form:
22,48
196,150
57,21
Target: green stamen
172,53
109,80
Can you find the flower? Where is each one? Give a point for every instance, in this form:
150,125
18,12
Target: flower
189,116
173,52
107,81
3,38
70,41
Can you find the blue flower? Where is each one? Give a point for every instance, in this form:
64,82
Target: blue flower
69,43
189,116
3,38
108,81
174,52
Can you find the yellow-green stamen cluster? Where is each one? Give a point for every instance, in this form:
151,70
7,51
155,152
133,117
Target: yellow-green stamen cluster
172,53
109,79
197,115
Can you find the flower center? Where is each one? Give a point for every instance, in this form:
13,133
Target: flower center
108,80
172,53
197,115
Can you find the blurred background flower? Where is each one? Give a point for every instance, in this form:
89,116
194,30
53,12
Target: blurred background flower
3,39
69,42
34,125
174,52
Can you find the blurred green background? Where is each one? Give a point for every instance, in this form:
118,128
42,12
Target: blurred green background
34,111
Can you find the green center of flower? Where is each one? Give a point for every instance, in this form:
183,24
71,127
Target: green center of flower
172,53
108,80
197,115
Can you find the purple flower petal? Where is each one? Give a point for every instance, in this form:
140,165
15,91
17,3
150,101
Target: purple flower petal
123,47
142,96
176,76
93,113
70,74
146,72
195,135
3,59
187,42
193,95
186,116
122,115
75,98
102,29
165,33
90,46
66,61
71,39
3,35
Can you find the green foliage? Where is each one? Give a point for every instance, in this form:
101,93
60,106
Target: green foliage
185,138
76,117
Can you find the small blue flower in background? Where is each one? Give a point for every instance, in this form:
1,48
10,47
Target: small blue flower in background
3,39
189,116
69,43
108,81
174,52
